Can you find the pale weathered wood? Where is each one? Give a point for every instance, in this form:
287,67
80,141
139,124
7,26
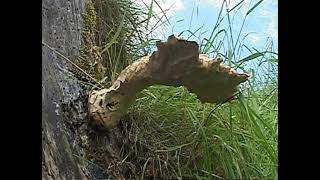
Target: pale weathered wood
177,62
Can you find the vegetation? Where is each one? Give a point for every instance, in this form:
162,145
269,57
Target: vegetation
112,38
174,135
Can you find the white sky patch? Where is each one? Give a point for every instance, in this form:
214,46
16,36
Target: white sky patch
270,3
254,38
169,7
217,3
231,3
269,10
272,31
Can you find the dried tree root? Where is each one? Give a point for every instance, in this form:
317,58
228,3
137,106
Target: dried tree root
177,62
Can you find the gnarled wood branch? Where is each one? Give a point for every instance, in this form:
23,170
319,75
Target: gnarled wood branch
177,62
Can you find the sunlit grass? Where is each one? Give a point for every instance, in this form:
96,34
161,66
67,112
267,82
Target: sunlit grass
237,140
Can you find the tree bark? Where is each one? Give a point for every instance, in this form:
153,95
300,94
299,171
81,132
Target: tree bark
64,136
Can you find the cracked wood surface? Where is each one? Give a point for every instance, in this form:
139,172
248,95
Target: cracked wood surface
177,62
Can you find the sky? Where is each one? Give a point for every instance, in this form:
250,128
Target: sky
259,31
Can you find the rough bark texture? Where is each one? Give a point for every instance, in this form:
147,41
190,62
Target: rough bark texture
61,29
64,128
176,63
70,148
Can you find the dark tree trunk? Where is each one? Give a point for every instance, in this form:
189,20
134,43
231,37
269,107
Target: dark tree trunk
63,100
70,148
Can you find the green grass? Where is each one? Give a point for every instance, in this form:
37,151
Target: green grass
236,141
176,136
183,138
113,36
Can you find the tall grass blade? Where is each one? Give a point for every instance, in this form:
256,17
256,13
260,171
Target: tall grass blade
253,7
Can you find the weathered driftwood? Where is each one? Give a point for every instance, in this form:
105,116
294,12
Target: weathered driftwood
177,62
